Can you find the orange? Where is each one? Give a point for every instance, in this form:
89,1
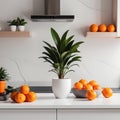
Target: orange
91,94
25,89
93,82
13,94
93,28
102,28
97,87
83,81
20,98
78,85
111,28
88,87
30,97
107,92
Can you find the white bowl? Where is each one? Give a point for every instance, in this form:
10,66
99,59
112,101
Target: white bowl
82,93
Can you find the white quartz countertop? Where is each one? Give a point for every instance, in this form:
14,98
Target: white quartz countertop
48,101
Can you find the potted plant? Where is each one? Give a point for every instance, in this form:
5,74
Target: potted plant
13,25
21,24
62,57
3,78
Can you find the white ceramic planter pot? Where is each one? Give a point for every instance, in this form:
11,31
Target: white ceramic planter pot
13,28
61,87
21,28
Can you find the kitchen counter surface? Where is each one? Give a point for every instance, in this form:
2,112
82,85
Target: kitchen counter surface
47,100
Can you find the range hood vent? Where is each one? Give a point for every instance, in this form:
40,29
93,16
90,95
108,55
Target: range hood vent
52,13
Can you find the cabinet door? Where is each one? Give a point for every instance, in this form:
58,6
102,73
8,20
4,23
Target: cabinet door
27,114
87,114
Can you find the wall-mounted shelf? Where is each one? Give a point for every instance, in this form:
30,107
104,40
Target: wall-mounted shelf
14,34
116,21
101,34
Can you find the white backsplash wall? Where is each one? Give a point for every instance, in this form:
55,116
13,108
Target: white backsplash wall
100,56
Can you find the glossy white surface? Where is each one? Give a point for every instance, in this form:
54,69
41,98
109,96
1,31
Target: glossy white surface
61,87
47,100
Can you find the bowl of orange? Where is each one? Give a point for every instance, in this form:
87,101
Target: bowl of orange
83,93
83,89
79,93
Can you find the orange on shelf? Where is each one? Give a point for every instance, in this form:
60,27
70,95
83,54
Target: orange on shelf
93,28
111,28
91,95
107,92
102,28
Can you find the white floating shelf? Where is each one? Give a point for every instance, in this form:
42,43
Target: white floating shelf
101,34
14,34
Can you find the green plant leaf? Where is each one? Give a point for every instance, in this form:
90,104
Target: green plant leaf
20,21
48,55
63,55
52,48
53,70
64,36
63,42
69,71
73,65
55,37
52,53
75,47
74,59
69,39
69,45
47,44
3,74
47,60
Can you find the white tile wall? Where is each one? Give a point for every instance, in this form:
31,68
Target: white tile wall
101,56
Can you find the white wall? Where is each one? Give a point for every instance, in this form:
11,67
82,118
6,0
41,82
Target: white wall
100,56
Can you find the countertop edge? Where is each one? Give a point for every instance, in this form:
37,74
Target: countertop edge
48,101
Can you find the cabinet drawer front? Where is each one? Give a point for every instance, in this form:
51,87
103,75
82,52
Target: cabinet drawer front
109,114
27,114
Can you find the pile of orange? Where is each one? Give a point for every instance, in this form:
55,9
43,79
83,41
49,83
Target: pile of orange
91,87
23,95
102,28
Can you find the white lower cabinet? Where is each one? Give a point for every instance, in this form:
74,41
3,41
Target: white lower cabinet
88,114
28,114
60,114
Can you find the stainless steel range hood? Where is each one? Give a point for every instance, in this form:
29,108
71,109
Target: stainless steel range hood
52,13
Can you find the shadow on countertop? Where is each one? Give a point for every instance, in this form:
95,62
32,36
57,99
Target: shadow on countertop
116,90
40,89
48,89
